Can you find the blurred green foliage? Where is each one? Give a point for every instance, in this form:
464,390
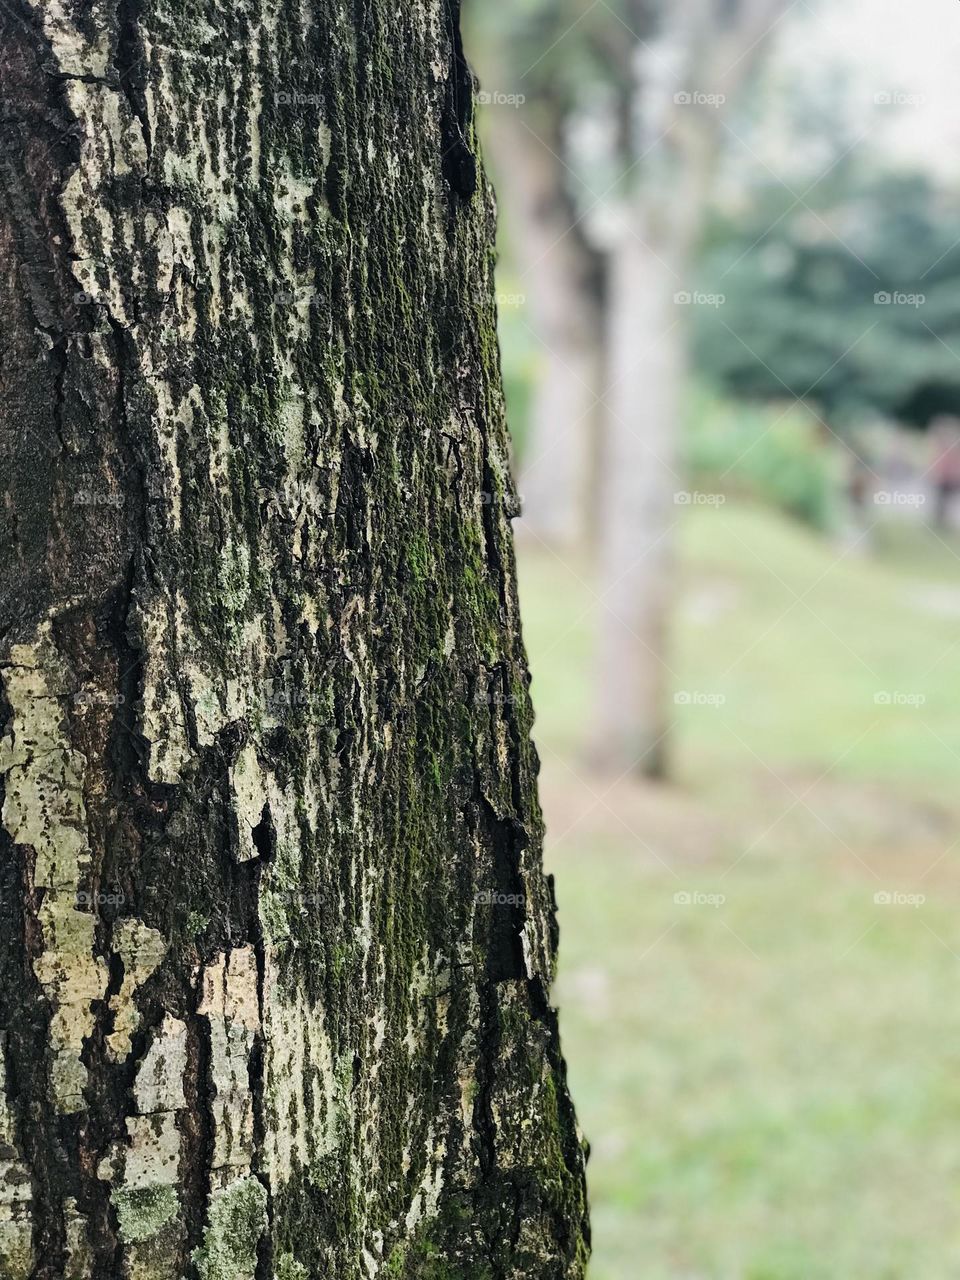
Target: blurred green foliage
520,357
849,303
774,453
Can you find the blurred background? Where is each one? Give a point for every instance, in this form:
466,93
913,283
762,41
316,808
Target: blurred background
729,295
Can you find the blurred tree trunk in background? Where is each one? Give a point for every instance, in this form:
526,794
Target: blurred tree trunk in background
276,943
674,128
638,480
560,275
534,58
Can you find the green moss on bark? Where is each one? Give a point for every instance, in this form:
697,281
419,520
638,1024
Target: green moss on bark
238,1216
142,1213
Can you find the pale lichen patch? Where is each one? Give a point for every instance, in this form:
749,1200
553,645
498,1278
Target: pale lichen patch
141,949
79,1259
145,1172
231,1004
76,52
237,1219
142,1213
249,788
44,808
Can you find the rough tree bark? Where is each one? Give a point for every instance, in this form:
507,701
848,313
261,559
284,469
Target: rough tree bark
276,943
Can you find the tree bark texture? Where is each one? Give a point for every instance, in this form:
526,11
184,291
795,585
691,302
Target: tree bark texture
276,944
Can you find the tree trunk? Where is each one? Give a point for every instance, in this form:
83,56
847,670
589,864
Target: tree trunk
710,47
637,510
276,941
641,490
559,287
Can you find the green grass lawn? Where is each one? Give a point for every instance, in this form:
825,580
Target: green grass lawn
769,1073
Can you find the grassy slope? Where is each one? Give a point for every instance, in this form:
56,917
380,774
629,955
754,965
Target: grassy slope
771,1085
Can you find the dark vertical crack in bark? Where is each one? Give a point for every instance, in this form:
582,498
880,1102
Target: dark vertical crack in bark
459,160
198,1155
25,1015
130,65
